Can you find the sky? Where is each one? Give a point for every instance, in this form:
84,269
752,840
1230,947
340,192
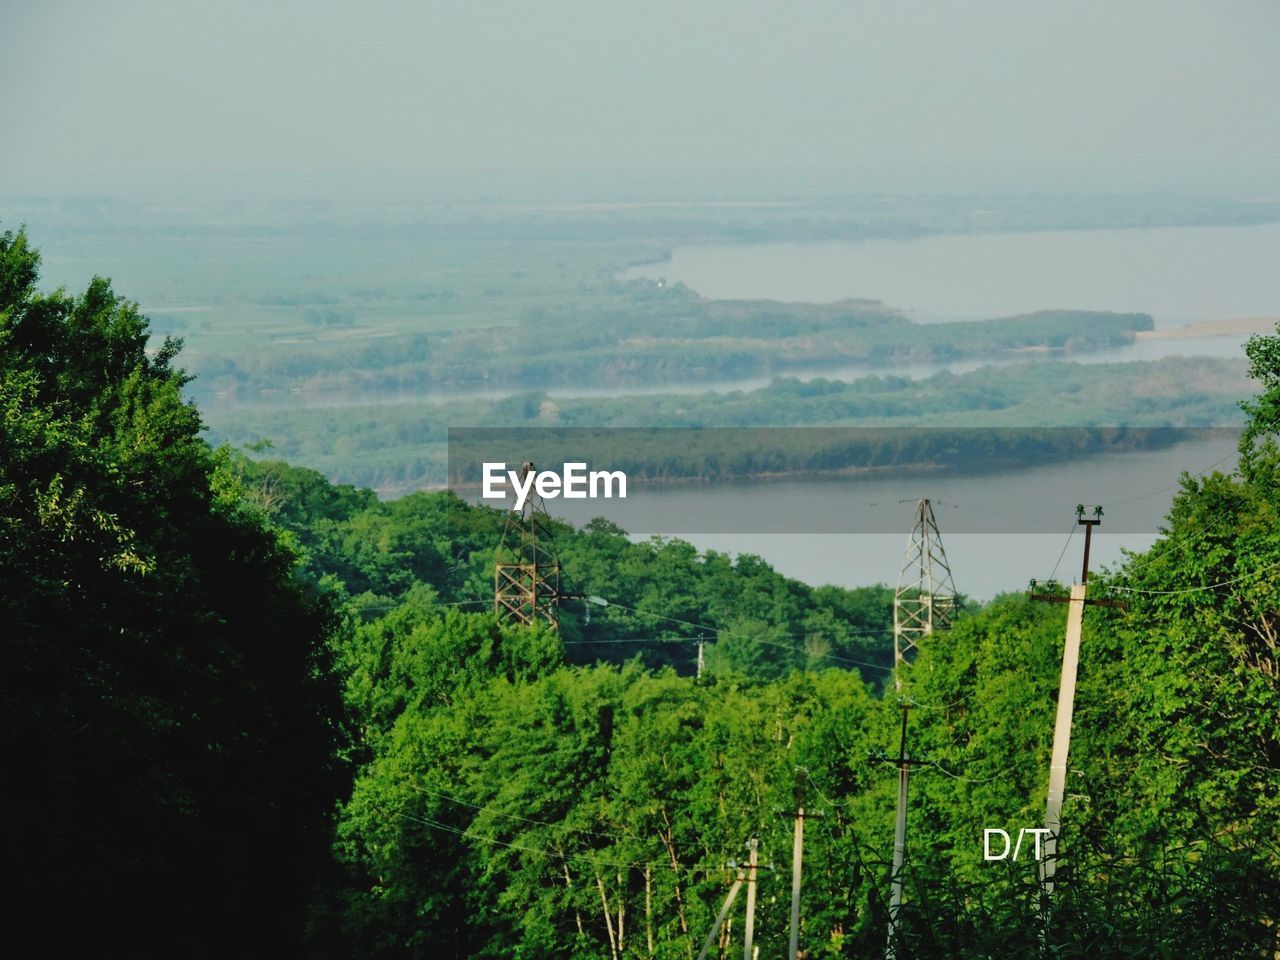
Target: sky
597,98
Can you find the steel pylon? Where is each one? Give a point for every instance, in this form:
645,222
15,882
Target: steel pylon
527,575
925,600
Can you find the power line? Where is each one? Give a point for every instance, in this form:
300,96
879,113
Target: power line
732,635
937,706
955,776
1211,586
877,631
825,799
725,634
1173,486
1070,533
993,513
829,656
552,854
360,607
660,616
707,629
514,816
580,643
1183,543
1116,503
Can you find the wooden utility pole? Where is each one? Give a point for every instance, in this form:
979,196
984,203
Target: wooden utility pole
1076,602
747,875
749,931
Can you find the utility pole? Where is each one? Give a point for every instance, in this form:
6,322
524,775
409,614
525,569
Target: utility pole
797,852
701,661
747,875
1076,602
749,931
724,912
1062,738
899,837
797,856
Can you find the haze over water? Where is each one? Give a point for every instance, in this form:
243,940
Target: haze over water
1176,274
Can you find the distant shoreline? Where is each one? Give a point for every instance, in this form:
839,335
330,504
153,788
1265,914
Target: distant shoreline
1228,327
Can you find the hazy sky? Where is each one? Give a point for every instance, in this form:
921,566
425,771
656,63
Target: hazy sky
717,95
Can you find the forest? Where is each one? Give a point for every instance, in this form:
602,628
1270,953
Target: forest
641,333
395,448
250,709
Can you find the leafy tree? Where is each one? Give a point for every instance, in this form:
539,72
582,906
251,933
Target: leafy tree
165,703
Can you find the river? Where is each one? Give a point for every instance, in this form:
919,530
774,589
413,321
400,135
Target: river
1177,274
999,529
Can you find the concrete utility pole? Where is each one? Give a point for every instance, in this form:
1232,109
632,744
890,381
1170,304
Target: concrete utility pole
899,840
1076,603
747,875
797,852
749,931
724,912
1062,738
797,856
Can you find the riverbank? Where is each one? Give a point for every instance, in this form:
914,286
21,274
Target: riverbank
1227,327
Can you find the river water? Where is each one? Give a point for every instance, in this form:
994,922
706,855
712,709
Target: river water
1176,274
999,530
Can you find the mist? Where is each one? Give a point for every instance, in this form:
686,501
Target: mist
507,101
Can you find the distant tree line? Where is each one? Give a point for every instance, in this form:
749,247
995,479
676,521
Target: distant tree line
642,334
399,447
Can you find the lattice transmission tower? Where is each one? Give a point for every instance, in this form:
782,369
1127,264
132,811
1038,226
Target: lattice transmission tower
923,603
925,600
527,576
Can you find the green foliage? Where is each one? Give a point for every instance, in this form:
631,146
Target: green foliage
165,693
583,807
662,595
579,802
169,699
